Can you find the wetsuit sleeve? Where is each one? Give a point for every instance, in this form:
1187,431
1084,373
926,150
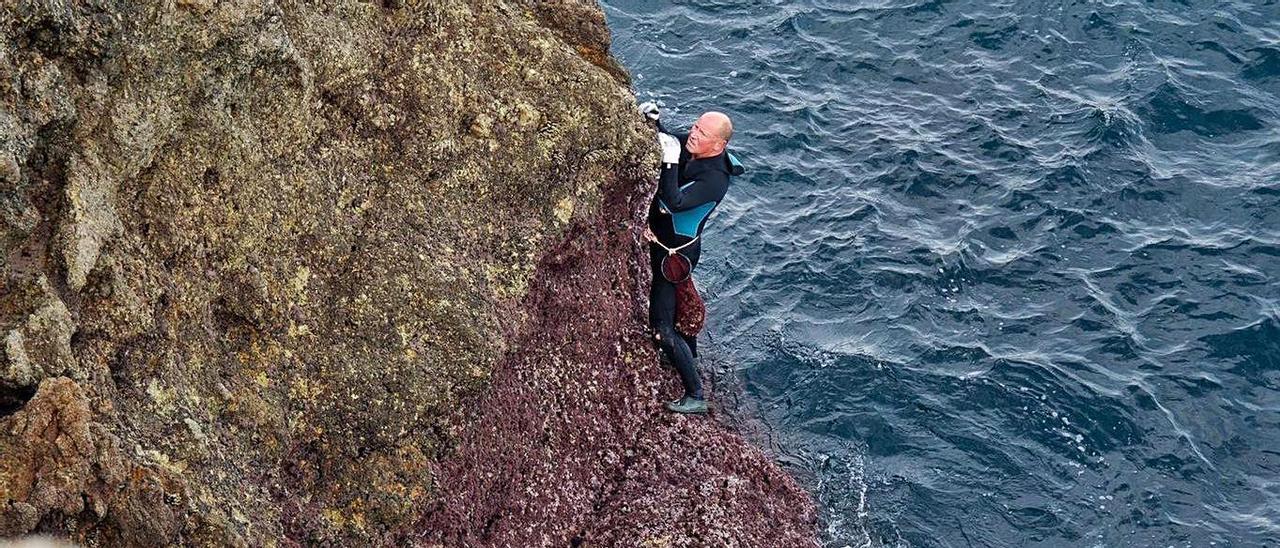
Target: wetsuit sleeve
710,187
682,136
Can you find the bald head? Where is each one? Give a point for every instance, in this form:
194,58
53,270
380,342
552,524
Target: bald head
720,121
709,135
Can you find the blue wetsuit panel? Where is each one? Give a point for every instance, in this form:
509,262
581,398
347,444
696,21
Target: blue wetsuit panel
735,167
686,222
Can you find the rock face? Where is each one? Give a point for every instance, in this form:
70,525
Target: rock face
340,272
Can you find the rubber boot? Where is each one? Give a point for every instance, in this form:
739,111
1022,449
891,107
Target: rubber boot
688,405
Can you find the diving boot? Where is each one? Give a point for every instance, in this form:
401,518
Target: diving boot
688,405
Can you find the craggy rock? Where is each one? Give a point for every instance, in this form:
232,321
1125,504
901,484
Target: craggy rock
38,348
58,461
335,273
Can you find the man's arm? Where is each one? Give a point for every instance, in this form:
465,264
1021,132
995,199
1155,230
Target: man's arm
681,136
710,188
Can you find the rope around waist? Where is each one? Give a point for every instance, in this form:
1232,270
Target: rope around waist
673,250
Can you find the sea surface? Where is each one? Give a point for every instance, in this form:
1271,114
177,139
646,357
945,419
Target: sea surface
999,273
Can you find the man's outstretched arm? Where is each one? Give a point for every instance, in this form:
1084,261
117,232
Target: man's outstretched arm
683,137
710,188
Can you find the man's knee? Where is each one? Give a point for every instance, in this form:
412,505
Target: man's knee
664,333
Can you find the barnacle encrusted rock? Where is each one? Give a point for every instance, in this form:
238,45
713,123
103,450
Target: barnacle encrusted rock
268,268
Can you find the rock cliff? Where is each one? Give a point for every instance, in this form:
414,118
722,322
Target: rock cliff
341,272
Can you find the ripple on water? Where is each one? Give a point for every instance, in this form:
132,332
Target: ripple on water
998,275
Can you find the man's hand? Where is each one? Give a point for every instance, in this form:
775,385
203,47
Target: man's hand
649,235
670,148
649,109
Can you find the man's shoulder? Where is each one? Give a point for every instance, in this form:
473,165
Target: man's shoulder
709,168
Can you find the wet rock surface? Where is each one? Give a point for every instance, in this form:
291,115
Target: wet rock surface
340,272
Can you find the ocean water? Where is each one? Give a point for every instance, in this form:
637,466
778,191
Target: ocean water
1000,273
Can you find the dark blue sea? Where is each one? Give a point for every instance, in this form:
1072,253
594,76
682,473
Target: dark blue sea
1000,273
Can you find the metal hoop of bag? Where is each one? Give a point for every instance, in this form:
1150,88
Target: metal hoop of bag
691,312
676,267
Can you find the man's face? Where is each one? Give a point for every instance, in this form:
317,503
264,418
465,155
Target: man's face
705,137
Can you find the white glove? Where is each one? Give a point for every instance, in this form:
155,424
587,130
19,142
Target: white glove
670,148
649,109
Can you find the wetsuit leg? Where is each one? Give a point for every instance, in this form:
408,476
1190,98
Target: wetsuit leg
692,342
662,314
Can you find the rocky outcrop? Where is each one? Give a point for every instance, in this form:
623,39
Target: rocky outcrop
340,272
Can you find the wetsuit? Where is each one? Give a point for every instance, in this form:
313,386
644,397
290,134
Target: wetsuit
687,194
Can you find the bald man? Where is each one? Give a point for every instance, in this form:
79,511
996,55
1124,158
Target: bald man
694,178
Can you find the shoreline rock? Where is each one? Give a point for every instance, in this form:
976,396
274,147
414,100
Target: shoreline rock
274,272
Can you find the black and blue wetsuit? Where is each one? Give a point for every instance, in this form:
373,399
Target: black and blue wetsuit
687,194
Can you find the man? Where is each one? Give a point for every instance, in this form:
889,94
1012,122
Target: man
694,178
